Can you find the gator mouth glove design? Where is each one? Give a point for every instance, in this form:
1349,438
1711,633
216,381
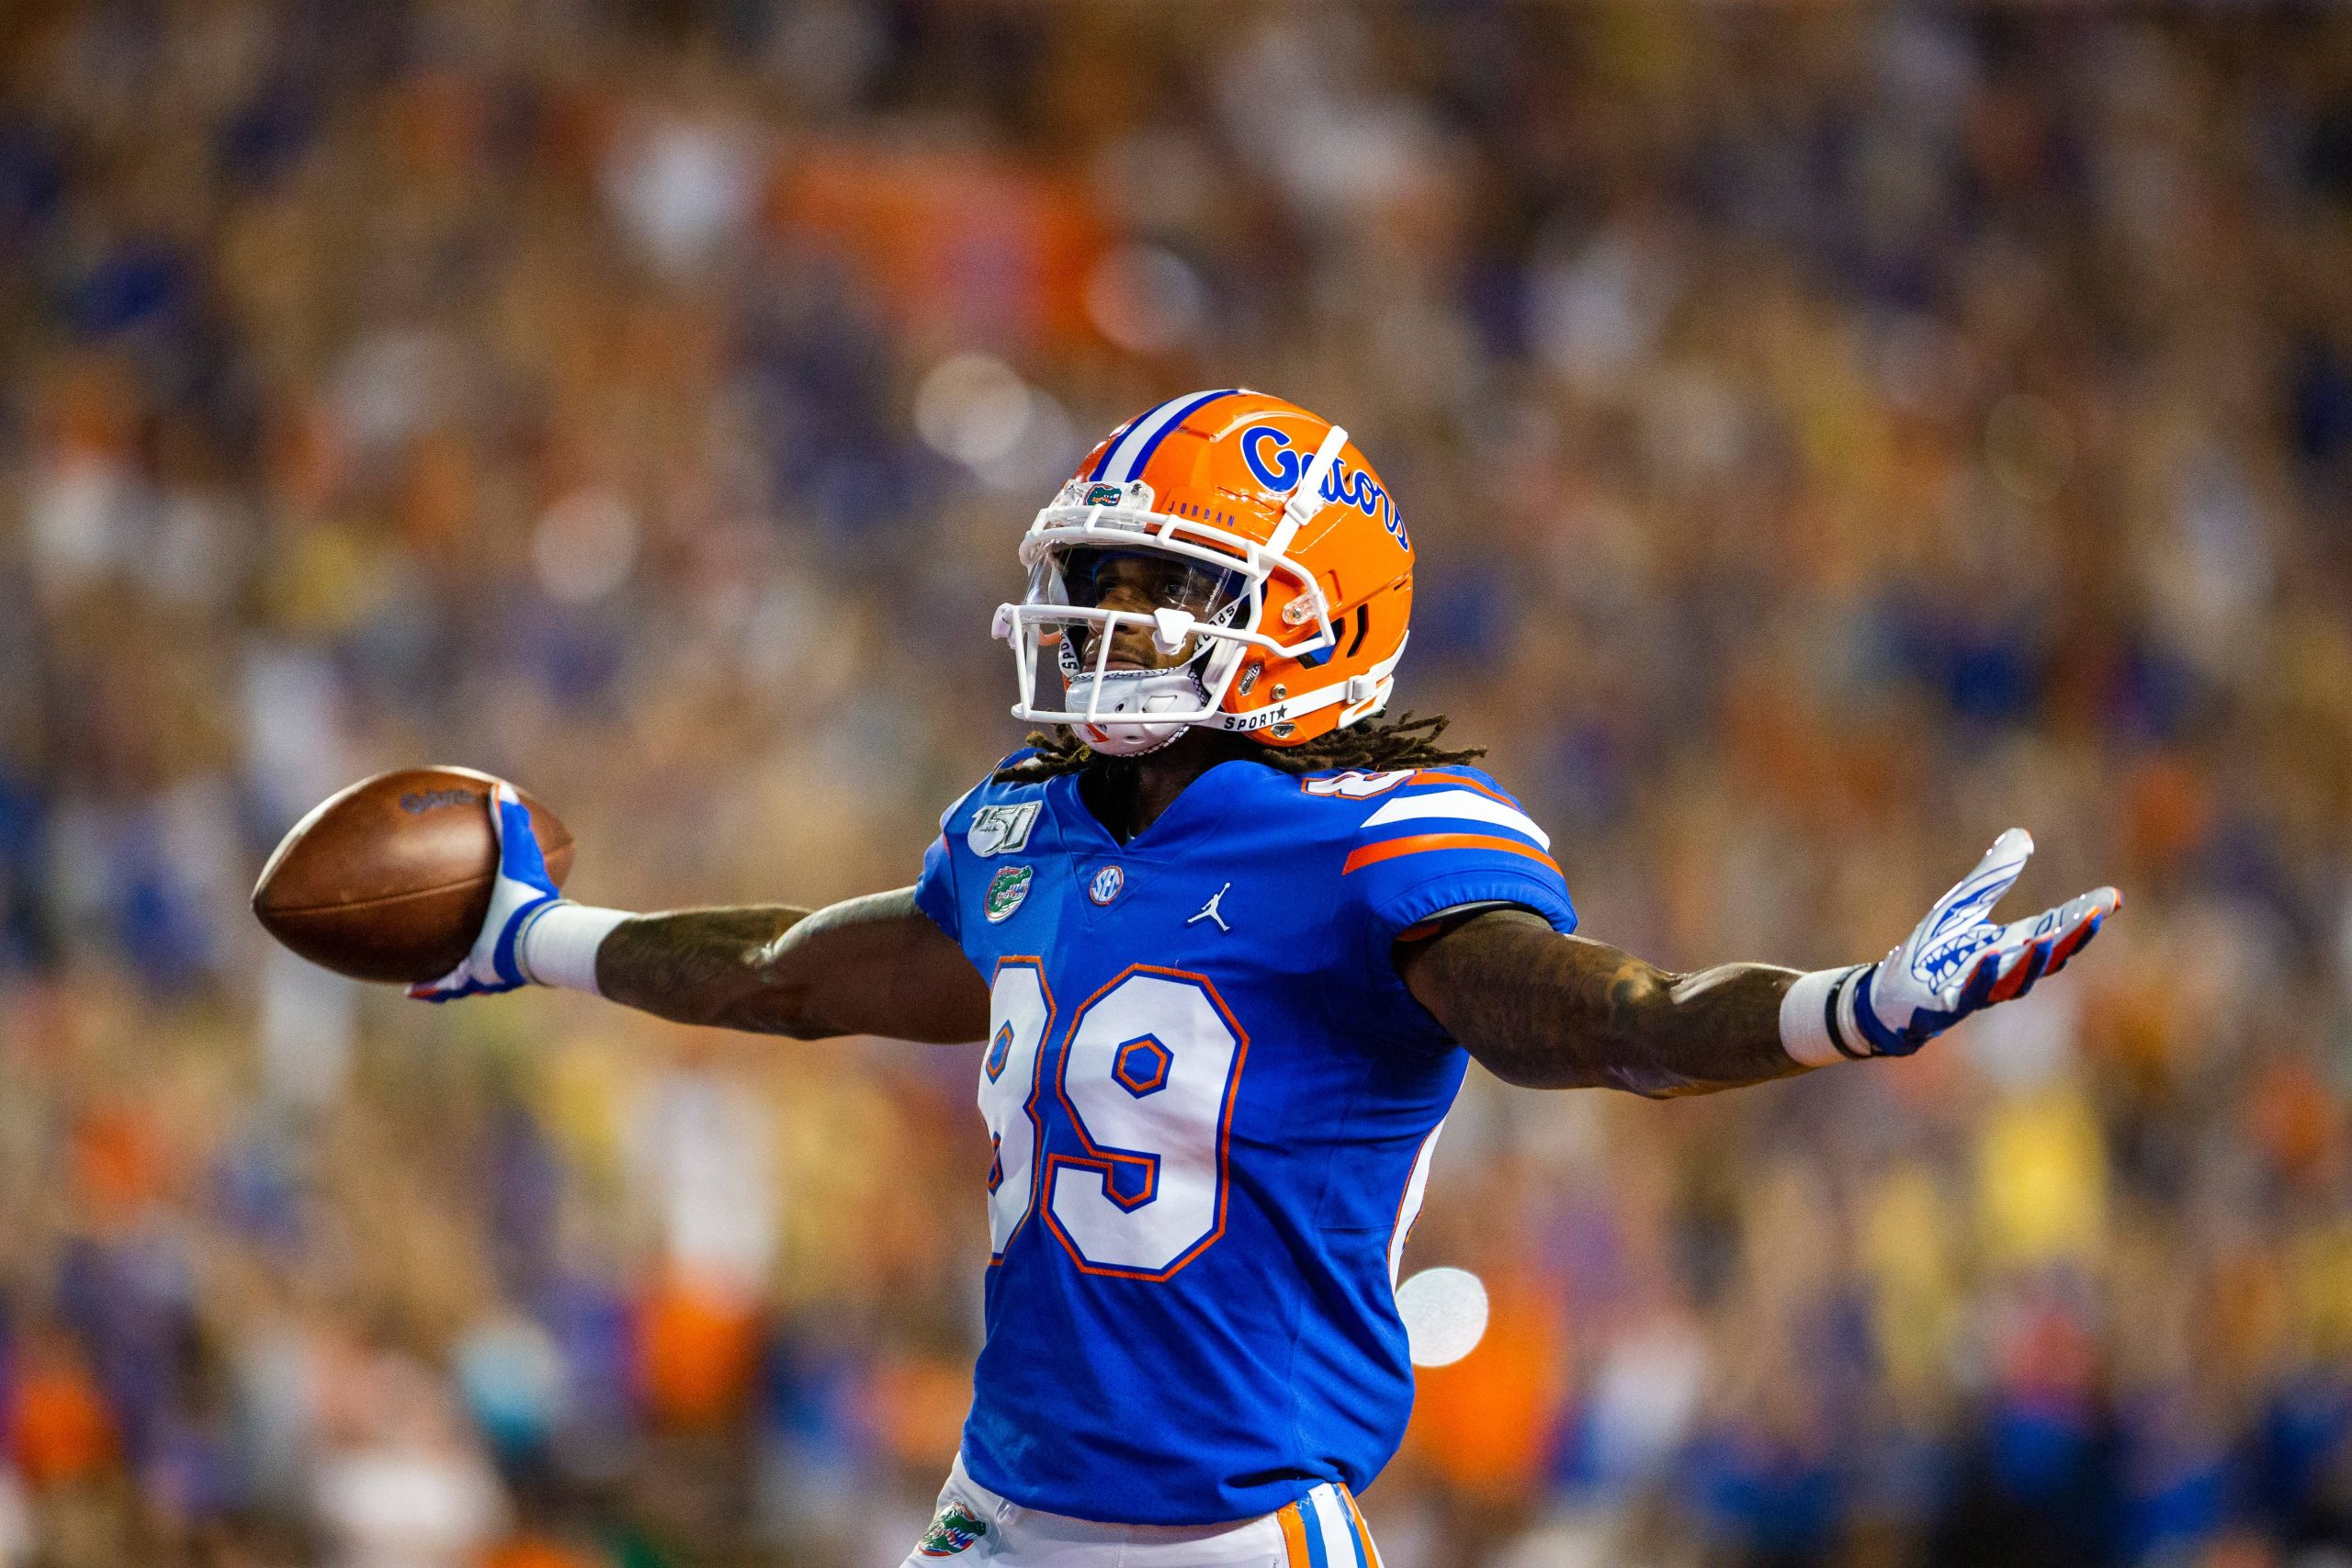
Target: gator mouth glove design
1956,962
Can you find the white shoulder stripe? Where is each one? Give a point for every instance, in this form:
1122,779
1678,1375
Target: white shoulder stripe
1463,804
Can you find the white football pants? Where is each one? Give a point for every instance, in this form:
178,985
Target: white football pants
1322,1530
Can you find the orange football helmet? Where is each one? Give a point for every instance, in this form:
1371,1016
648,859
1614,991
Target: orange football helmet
1296,578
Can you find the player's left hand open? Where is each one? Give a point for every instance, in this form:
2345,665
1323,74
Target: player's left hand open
523,889
1957,961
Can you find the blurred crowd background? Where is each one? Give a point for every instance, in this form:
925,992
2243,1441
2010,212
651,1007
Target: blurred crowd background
1831,437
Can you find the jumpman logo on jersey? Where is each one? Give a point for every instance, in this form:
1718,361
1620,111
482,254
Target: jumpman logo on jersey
1209,910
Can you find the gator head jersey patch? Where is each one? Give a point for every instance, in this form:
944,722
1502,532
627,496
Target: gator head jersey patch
1006,890
955,1529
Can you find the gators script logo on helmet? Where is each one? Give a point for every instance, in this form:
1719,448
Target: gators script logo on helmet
1296,571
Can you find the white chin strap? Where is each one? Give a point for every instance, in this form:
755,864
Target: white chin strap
1125,692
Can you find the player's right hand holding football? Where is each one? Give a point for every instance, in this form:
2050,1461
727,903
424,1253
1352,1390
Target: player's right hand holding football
1954,963
522,892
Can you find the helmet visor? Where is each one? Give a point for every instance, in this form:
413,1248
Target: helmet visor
1137,582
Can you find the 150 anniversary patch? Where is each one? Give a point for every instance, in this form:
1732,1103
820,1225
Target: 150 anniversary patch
1002,830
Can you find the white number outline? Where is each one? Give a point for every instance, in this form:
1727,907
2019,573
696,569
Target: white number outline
1028,1102
1104,1162
1408,1204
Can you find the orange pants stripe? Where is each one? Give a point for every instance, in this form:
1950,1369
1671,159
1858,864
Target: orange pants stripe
1294,1537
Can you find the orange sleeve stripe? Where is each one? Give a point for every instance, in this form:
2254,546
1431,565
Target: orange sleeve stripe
1422,843
1294,1536
1463,781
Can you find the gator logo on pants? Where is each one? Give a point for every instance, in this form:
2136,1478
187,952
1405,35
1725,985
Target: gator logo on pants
953,1531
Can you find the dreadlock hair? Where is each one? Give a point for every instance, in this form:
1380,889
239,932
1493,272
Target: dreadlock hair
1406,742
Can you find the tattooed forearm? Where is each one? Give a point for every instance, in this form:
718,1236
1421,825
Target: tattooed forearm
1550,1011
704,966
872,965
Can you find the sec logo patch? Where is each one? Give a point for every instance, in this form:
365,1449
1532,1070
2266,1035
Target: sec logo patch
1106,885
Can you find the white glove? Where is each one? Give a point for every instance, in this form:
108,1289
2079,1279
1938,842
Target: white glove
1954,963
522,892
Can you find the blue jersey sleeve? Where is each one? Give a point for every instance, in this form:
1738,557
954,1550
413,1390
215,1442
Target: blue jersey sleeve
935,889
1448,840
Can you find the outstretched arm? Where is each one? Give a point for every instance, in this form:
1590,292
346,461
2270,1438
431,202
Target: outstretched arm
1545,1011
1553,1012
871,966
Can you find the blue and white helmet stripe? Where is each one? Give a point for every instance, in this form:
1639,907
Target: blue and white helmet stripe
1123,460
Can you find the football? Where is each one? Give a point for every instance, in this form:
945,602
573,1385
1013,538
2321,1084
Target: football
390,879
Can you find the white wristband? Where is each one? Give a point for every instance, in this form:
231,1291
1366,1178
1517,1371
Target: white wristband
1809,1032
559,946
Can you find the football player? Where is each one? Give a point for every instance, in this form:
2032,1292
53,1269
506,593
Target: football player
1231,941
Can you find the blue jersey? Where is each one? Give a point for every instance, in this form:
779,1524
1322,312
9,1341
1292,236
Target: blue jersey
1212,1105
